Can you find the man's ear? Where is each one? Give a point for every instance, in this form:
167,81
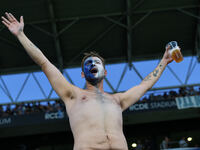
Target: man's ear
82,75
105,72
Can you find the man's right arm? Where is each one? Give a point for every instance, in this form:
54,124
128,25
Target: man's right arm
63,88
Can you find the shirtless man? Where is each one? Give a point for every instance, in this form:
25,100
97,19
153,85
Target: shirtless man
95,116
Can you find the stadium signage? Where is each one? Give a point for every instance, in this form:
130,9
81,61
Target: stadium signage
143,106
188,102
160,105
153,105
54,115
5,121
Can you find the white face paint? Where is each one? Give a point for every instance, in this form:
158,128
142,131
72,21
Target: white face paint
93,68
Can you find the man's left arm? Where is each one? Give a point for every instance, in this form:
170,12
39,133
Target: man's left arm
131,96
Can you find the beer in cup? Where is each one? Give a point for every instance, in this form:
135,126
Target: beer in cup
175,51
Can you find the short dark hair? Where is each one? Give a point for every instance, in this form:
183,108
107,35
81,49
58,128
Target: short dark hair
91,54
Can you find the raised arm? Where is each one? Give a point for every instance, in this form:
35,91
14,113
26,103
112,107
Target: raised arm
63,88
134,94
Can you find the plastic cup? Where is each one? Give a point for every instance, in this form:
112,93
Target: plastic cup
175,51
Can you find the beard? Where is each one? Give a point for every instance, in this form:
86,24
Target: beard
94,81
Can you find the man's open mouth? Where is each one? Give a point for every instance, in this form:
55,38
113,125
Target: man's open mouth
94,70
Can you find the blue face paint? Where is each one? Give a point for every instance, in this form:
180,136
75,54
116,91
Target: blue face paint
93,63
88,65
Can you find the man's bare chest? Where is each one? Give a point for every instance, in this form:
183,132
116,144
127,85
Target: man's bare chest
96,107
98,100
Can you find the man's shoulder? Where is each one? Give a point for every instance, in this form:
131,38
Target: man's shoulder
115,96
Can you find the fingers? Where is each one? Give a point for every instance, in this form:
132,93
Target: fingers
5,21
21,19
168,47
7,25
12,17
9,17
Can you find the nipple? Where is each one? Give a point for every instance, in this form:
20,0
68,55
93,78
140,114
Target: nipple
84,98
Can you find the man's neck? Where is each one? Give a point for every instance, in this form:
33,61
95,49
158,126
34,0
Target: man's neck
97,87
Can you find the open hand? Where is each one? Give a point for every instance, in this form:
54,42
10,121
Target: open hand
14,26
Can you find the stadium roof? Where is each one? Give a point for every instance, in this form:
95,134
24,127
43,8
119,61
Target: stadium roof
121,31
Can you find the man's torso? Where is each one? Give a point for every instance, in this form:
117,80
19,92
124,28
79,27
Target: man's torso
96,121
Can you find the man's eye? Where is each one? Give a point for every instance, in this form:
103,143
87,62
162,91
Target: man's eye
89,62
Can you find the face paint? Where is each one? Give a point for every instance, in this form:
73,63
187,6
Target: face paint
93,70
